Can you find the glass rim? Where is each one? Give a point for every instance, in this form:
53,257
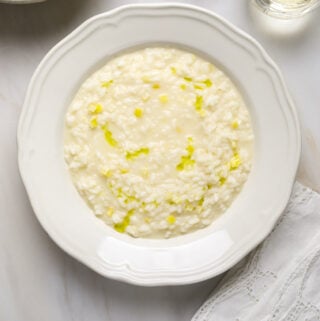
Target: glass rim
282,10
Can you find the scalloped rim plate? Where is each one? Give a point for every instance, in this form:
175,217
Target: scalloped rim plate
65,216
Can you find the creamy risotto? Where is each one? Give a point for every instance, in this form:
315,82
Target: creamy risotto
158,142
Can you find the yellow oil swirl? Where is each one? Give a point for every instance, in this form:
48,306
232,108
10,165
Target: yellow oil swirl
134,154
138,112
171,219
235,162
109,136
95,108
121,227
186,160
107,84
93,122
198,105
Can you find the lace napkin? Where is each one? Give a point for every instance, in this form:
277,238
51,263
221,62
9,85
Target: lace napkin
279,280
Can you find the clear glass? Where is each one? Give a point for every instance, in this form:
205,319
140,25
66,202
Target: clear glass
287,8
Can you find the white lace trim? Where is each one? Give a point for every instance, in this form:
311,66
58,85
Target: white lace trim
280,279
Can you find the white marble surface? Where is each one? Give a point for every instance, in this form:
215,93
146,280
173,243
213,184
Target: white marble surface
37,280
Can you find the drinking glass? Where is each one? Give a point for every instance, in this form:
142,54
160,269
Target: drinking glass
286,9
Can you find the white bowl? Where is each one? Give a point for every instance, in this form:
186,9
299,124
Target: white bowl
66,217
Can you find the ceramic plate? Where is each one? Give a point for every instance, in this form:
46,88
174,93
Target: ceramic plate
66,217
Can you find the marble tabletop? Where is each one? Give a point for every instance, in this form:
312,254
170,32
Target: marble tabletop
38,281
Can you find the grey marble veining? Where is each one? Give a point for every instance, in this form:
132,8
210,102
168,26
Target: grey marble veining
38,281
